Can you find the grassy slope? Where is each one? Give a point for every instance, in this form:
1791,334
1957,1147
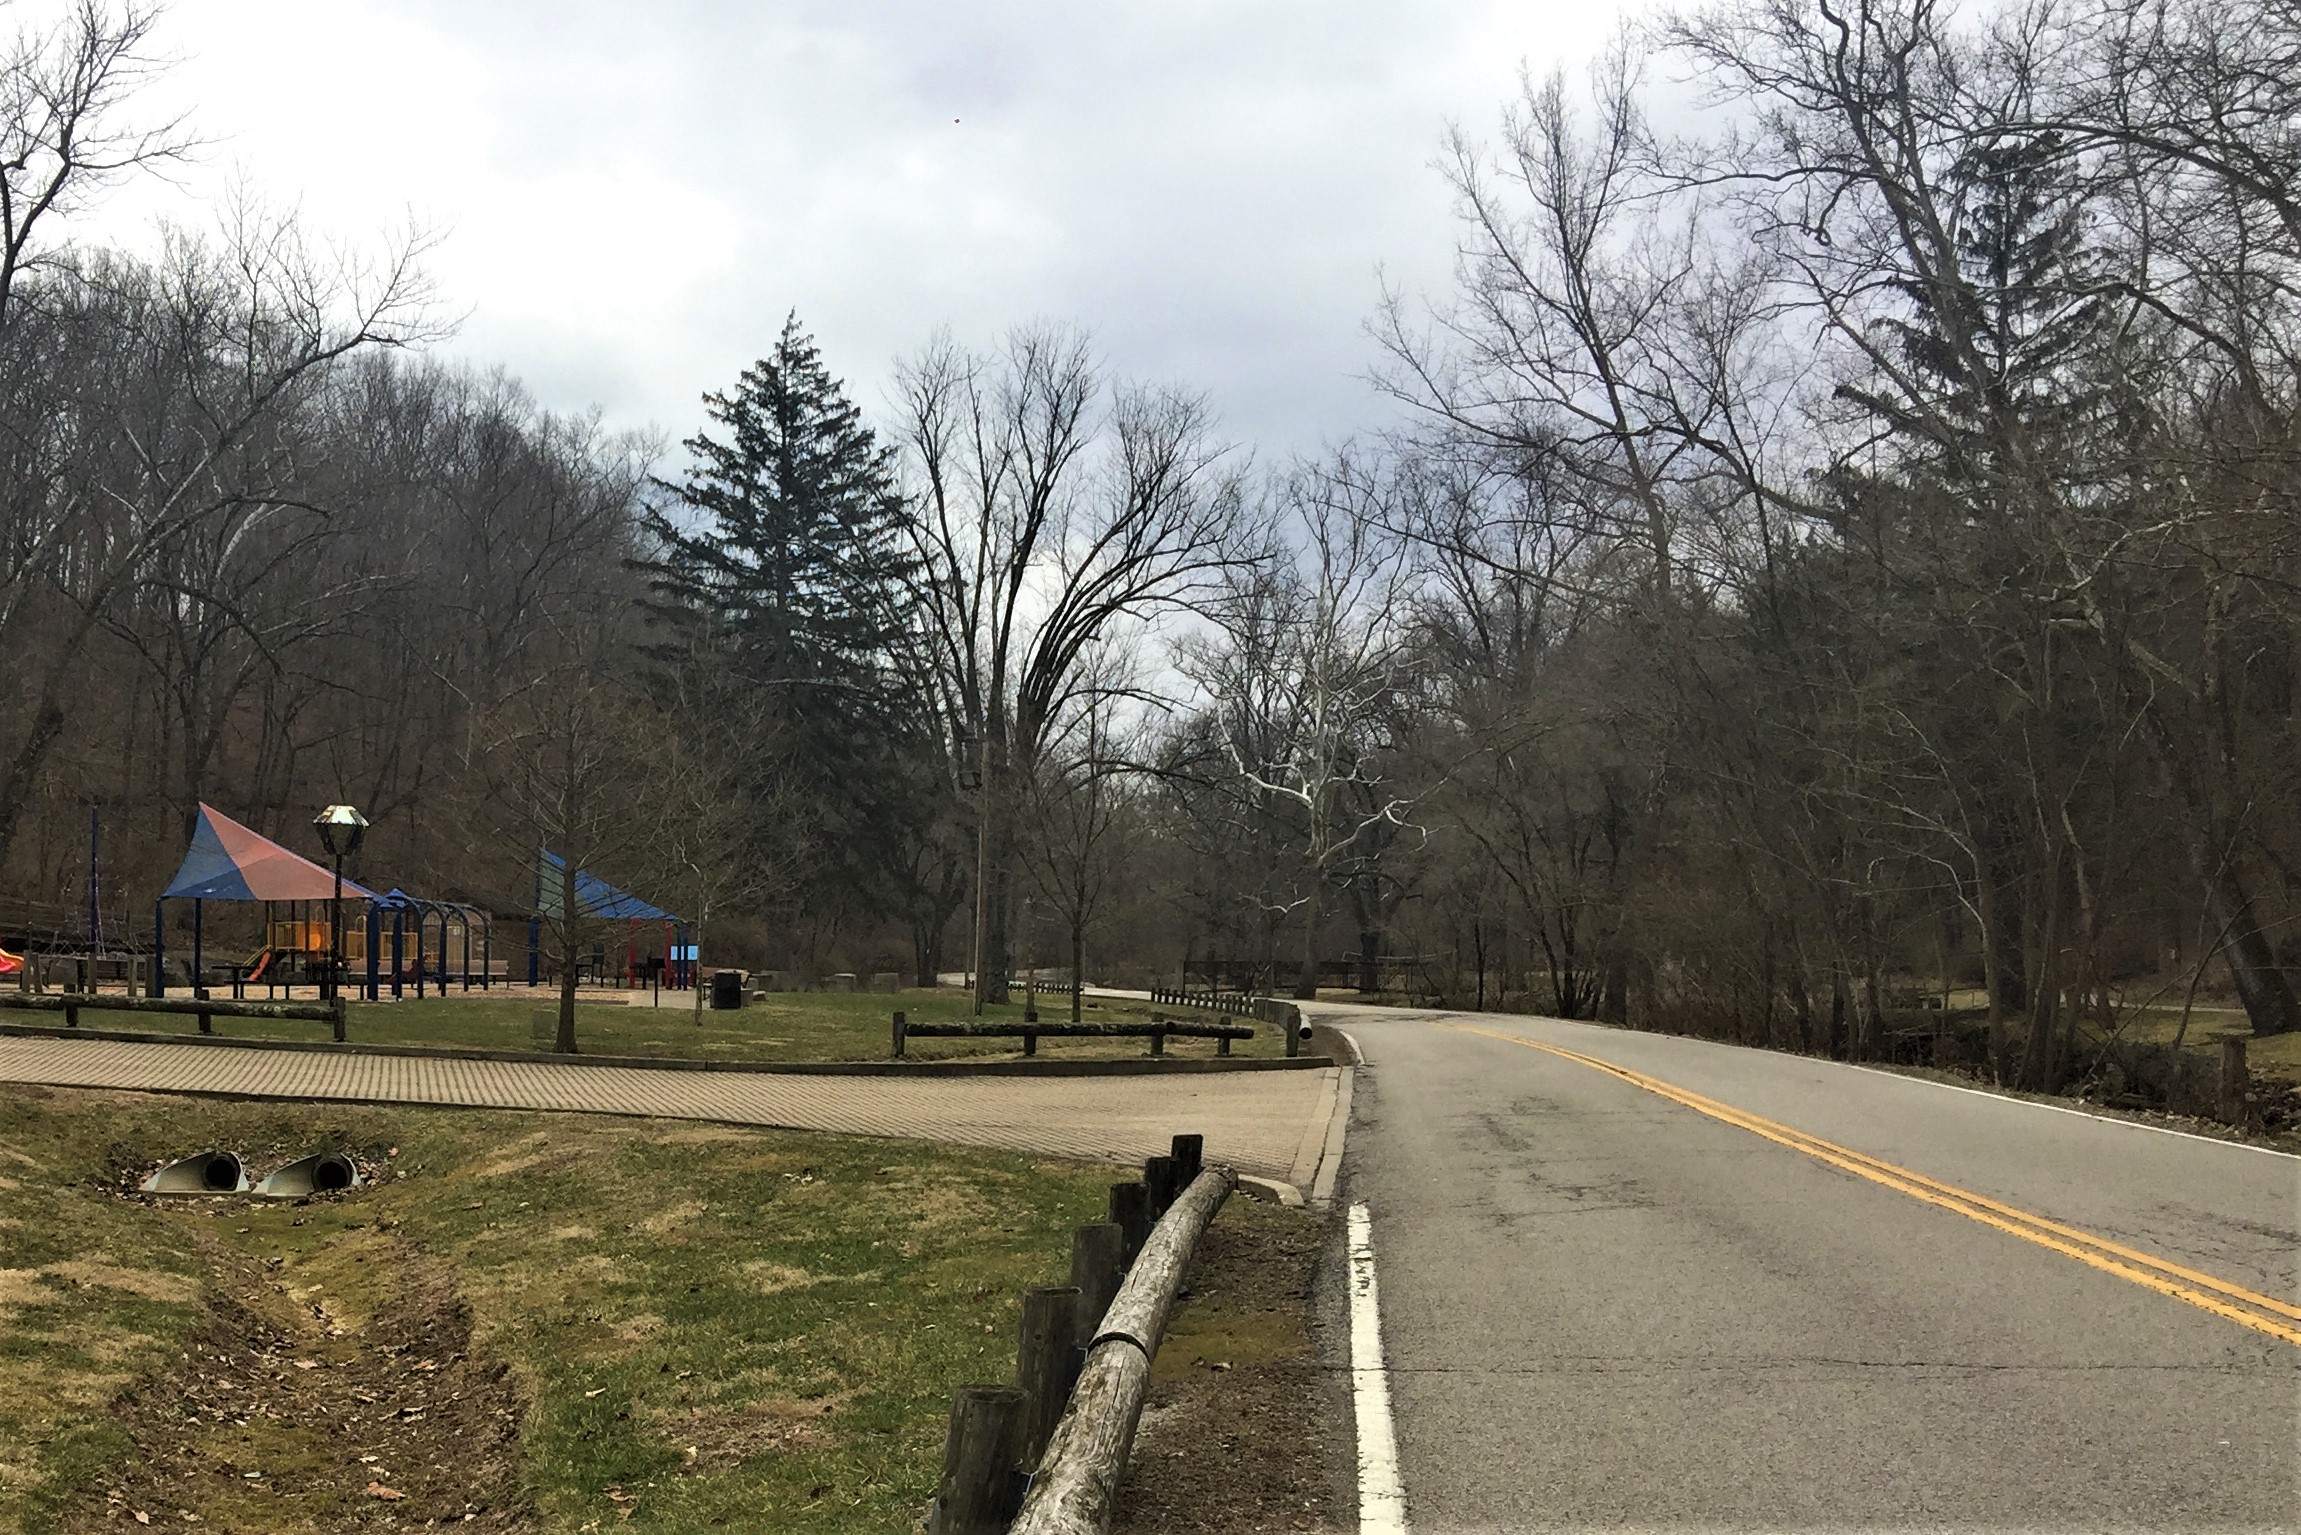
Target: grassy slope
792,1309
788,1026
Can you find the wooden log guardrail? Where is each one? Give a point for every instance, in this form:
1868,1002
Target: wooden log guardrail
1157,1031
206,1009
1272,1010
1056,1441
1075,1487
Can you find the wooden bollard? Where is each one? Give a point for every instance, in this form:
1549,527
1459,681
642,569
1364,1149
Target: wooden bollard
1098,1266
1046,1363
337,1023
1159,1182
900,1023
1222,1046
982,1482
1130,1212
1030,1041
1189,1152
1158,1036
2234,1079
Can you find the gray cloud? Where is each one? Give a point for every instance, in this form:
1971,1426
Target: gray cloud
634,195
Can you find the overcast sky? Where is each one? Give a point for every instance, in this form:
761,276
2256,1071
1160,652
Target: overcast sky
632,195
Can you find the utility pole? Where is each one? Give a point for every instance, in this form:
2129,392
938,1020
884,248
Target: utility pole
982,867
95,921
1030,967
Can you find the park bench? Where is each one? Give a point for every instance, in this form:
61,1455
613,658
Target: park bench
206,1009
1157,1031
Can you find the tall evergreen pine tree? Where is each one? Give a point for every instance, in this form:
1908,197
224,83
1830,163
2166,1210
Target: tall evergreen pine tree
784,545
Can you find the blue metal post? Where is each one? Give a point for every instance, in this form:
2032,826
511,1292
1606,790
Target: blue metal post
159,987
398,961
375,942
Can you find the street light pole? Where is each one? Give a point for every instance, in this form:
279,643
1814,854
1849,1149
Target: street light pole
336,933
341,829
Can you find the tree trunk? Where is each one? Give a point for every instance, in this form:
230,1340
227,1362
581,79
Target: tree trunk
1078,967
1985,898
569,955
1614,990
1369,960
1314,917
2262,985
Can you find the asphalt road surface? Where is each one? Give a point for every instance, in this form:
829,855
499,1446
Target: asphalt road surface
1654,1302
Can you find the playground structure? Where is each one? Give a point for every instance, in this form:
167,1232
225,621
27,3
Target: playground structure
393,941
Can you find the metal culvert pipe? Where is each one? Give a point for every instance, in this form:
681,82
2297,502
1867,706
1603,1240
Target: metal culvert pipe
203,1172
323,1172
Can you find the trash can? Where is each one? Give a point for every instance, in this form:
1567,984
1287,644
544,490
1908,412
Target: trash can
726,989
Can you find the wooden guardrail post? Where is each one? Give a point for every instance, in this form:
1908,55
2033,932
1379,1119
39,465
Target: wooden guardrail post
338,1022
982,1458
1189,1152
1076,1481
1098,1264
2234,1079
1159,1184
898,1044
1046,1362
1130,1212
1030,1041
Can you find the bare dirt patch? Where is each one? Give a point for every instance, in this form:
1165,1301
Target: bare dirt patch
1234,1437
275,1417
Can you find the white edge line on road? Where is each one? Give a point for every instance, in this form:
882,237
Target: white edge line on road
2099,1119
1381,1501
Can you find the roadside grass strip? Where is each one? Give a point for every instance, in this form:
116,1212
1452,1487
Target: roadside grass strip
538,1320
2248,1308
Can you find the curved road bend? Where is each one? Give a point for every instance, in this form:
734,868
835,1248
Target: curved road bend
1625,1303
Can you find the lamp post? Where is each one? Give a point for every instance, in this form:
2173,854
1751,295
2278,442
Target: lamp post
341,829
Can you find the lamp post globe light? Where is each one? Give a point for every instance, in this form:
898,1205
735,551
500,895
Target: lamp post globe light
341,830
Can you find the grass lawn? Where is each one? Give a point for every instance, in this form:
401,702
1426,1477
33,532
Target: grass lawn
546,1322
787,1026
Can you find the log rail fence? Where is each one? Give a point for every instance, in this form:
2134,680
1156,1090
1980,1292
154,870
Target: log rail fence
1158,1031
205,1009
1043,1455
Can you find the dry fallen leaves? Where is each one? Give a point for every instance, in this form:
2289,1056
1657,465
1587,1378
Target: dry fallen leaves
142,1517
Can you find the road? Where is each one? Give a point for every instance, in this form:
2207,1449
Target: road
1605,1308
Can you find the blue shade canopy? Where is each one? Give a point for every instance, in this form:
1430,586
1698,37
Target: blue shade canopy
594,897
228,862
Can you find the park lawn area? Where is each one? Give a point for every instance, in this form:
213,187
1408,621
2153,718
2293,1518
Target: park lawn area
785,1027
564,1322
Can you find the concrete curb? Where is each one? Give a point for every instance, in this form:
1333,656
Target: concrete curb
1337,1127
1139,1067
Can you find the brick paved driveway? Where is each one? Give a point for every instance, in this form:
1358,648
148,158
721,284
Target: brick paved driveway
1267,1122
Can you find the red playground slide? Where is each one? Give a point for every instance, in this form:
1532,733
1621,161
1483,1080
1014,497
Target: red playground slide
264,958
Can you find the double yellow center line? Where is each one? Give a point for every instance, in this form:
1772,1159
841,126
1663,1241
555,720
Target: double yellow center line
2247,1308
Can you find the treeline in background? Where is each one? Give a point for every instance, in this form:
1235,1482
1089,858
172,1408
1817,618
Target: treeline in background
1834,583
